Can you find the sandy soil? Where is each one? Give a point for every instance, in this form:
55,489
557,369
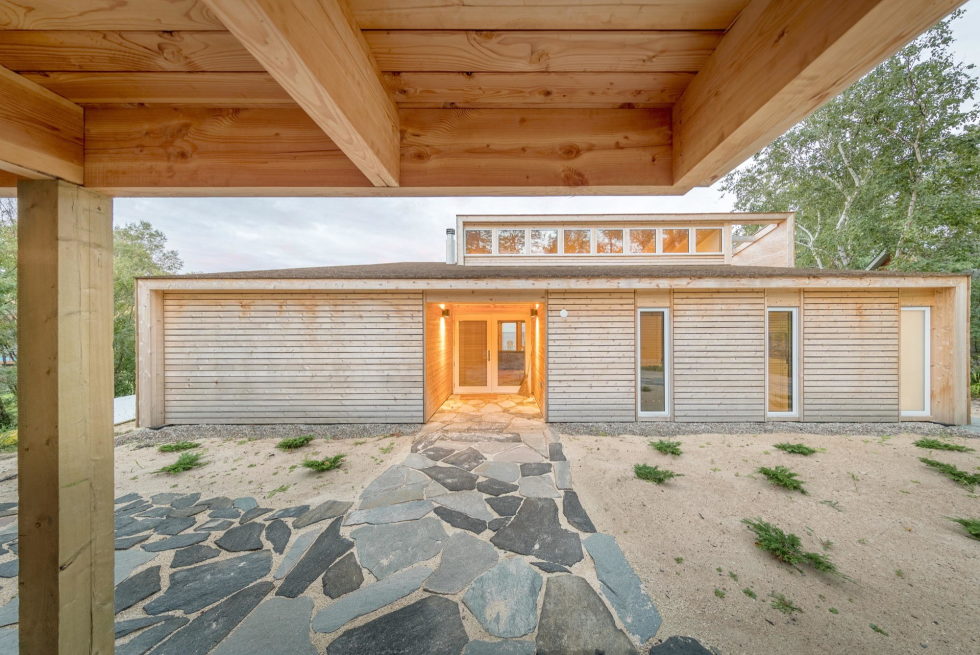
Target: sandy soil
911,572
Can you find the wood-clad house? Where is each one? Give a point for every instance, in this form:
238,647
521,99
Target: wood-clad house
600,318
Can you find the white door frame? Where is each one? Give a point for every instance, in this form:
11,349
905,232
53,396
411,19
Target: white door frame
493,351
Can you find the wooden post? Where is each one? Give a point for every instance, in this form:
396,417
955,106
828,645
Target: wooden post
65,454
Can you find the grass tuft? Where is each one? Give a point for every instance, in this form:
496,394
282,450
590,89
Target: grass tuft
795,448
958,476
185,462
327,464
783,604
972,526
654,473
294,442
877,629
751,594
936,444
177,447
786,546
667,447
783,477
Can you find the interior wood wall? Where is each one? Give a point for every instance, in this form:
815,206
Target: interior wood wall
850,355
539,363
438,359
591,356
293,357
719,355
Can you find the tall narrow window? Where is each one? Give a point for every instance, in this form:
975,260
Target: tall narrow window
781,340
578,242
913,370
652,362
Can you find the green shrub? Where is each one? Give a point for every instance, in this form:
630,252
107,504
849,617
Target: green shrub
936,444
185,462
294,442
786,546
795,448
654,473
958,476
783,477
327,464
8,441
667,447
972,526
783,604
177,447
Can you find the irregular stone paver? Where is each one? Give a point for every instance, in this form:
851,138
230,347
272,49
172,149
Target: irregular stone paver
193,555
278,625
136,527
197,587
575,514
252,514
471,503
499,648
460,520
343,576
535,531
185,501
10,569
370,598
210,627
410,511
520,454
505,505
178,541
417,461
574,620
535,468
398,484
498,523
503,471
463,559
128,498
621,586
9,612
327,547
129,542
278,534
550,567
136,588
431,626
149,638
133,507
299,548
467,459
555,452
417,541
437,453
290,512
452,478
495,487
328,510
218,502
225,513
193,510
678,645
174,526
164,498
214,525
563,475
156,513
505,598
128,561
538,486
241,538
245,503
122,521
129,626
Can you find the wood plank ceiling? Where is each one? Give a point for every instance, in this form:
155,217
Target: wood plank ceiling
414,97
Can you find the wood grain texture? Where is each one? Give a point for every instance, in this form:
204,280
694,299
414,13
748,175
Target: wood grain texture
438,358
781,60
537,51
40,132
316,52
107,15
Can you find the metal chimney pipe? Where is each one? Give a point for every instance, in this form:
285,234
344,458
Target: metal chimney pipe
450,245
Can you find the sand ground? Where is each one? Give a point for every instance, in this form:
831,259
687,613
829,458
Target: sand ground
910,571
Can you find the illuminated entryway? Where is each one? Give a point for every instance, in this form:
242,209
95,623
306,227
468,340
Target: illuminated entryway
491,356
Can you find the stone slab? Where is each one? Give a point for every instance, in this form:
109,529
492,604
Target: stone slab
503,471
556,453
535,531
452,478
278,625
509,647
245,503
164,498
193,510
10,569
343,576
436,453
241,538
575,620
129,626
9,613
328,510
468,459
505,505
215,525
463,559
197,587
128,498
538,486
129,542
300,545
563,475
252,514
150,637
185,501
370,598
193,555
678,645
177,541
409,511
575,514
324,551
225,513
498,523
460,520
417,541
621,586
519,454
128,561
137,587
495,487
430,626
535,468
505,598
417,461
175,525
550,567
471,503
289,512
278,533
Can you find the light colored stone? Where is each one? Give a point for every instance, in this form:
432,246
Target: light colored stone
574,620
535,440
396,485
521,454
470,503
621,586
410,511
370,598
417,461
505,599
384,549
503,471
300,545
128,561
463,558
563,474
538,486
278,625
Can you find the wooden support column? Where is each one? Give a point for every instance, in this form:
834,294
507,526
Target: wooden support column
65,455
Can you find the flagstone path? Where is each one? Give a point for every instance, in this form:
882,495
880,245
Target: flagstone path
475,544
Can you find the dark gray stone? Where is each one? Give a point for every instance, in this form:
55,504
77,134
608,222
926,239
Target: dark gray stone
129,626
398,484
174,525
184,512
300,545
193,555
575,514
550,567
509,647
678,645
197,587
254,513
214,525
575,620
535,531
535,468
498,523
621,586
278,625
156,513
137,587
409,511
164,498
555,452
129,542
505,599
185,501
437,453
431,626
505,505
343,576
128,561
324,551
218,502
467,459
471,503
241,538
123,521
384,549
278,534
463,558
452,478
128,498
290,512
211,627
134,506
225,513
138,526
147,639
328,510
369,599
460,520
177,541
495,487
10,569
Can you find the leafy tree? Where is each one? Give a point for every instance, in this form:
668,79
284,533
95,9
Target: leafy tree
8,312
891,165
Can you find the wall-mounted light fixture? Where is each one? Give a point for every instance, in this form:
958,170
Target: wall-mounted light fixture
563,313
534,311
445,312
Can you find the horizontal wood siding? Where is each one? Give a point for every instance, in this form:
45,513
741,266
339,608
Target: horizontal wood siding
438,358
719,355
850,355
591,356
293,357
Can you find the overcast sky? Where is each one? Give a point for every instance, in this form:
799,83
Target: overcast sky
227,234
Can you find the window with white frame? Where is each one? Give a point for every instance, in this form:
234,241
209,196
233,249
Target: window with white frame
652,362
782,336
914,362
599,241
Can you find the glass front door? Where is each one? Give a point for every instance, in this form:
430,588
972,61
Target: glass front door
490,355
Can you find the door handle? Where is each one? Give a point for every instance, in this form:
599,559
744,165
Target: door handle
488,354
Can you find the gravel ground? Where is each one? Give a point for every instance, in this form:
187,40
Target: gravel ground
145,437
671,429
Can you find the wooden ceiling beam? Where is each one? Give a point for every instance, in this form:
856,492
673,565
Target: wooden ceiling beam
781,60
40,132
316,52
